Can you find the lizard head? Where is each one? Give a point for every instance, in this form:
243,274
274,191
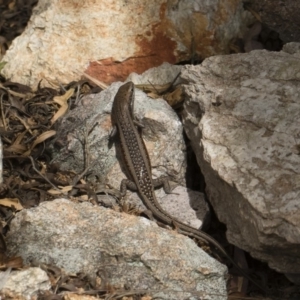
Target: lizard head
126,93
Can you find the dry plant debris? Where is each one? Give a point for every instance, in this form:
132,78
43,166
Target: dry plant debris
14,15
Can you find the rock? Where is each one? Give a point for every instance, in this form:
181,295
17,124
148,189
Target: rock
180,206
162,135
292,48
128,251
242,116
64,38
163,74
160,123
24,284
281,16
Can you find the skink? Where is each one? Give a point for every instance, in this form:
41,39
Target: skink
138,165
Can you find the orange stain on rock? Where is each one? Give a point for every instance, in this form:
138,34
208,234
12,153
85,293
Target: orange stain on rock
155,48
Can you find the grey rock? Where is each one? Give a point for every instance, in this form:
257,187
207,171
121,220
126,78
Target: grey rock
163,74
183,204
242,115
127,250
292,48
162,134
25,284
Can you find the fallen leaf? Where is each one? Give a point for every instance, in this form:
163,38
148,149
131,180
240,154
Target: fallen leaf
62,190
16,147
9,202
66,189
21,95
41,138
12,262
174,97
54,192
84,198
63,102
154,88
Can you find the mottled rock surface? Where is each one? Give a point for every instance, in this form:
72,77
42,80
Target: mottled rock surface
242,114
23,284
128,251
162,134
111,39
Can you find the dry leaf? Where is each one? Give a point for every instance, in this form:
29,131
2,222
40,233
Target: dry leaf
62,190
175,97
41,138
84,198
9,202
44,168
28,95
153,88
11,5
23,121
19,149
16,147
12,262
63,99
153,95
54,192
63,102
66,189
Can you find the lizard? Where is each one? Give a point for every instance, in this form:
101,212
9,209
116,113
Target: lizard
138,167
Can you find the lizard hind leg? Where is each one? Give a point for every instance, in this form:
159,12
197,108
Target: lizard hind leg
127,184
127,207
164,182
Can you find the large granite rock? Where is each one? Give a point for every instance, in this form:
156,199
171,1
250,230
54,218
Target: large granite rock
242,115
112,39
128,251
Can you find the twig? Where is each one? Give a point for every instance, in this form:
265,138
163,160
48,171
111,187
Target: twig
2,112
77,93
101,84
86,156
45,178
